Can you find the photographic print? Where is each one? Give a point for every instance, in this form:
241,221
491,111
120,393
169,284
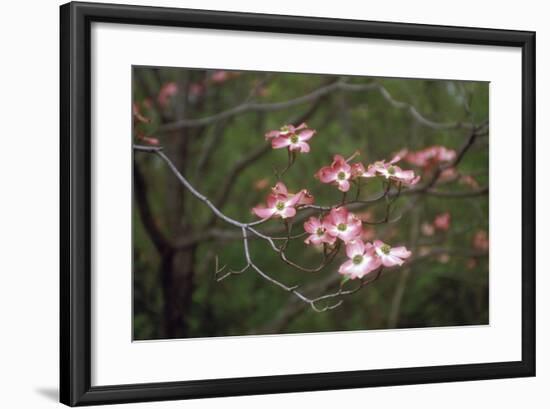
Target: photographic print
283,203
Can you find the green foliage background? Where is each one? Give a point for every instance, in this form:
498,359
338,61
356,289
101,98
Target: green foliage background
432,292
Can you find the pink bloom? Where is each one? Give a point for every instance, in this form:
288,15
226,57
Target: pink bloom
219,77
338,173
391,256
481,240
343,224
281,189
292,137
358,170
167,91
362,260
279,204
318,232
442,221
430,156
391,171
307,198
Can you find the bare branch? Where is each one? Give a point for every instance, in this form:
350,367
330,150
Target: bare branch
312,96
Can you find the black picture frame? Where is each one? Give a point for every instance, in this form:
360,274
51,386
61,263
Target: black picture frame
76,199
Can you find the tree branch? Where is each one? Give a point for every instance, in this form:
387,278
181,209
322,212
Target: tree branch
245,229
318,93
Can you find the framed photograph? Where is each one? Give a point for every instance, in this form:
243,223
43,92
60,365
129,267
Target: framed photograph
261,204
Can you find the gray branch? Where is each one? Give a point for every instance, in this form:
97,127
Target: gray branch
313,96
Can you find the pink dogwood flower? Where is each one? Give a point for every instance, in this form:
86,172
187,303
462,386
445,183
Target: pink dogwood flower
338,173
393,172
167,91
358,170
343,224
292,137
279,204
481,240
442,221
430,156
281,189
361,261
318,232
219,76
391,256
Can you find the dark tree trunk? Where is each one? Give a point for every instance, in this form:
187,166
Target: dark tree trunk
177,272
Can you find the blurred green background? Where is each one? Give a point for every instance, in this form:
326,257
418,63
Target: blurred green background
177,242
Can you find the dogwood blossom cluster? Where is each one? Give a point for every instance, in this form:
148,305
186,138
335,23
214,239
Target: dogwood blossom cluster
363,258
339,227
340,173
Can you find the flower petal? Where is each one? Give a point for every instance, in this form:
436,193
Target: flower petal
343,185
294,199
303,147
271,134
306,134
389,261
351,233
329,239
347,269
280,189
280,142
400,252
339,215
326,174
395,159
288,212
271,200
312,224
313,239
307,198
355,248
378,244
263,212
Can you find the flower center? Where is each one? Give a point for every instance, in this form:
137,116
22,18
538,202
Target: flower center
280,206
341,175
294,139
391,170
341,227
320,231
385,249
357,259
